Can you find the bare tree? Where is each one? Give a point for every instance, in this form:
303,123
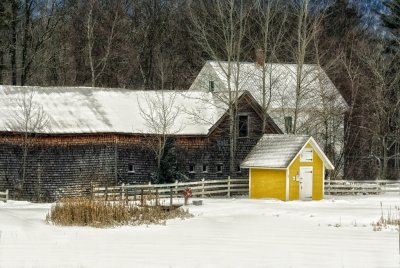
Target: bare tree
222,39
306,26
271,20
160,113
97,66
29,119
384,82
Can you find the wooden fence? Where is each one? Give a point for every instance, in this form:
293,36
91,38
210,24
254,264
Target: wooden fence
4,196
201,188
229,187
346,187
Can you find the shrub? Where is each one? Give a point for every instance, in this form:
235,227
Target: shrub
87,212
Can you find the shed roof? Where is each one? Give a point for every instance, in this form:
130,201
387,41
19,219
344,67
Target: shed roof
108,110
278,151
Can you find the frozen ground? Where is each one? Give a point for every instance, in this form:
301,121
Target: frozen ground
223,233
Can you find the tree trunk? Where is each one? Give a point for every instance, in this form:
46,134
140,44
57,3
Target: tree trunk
26,39
13,46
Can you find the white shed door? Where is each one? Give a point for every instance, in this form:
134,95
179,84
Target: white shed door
306,180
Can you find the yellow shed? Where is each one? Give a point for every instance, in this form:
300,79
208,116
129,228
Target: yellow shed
287,167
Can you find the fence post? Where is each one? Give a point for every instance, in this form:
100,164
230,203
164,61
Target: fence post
141,197
127,195
157,198
170,196
122,192
176,188
6,195
229,186
91,191
106,193
202,188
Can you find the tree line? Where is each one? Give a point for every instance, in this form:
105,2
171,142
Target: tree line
162,44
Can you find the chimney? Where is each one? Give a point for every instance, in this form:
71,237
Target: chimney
260,60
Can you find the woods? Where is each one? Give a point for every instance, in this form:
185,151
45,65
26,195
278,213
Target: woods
158,44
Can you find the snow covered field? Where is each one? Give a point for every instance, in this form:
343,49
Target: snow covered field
224,233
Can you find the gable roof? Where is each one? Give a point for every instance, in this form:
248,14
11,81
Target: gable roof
109,110
281,78
279,151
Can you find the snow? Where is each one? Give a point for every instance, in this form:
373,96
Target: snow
317,92
224,233
275,151
278,151
110,110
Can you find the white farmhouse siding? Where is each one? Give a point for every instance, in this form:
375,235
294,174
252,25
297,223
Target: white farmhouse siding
317,94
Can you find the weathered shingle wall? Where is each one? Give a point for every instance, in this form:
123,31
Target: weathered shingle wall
70,165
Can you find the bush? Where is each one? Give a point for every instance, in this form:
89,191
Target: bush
87,212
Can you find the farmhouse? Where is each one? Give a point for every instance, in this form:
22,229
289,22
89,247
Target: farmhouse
92,136
312,106
287,167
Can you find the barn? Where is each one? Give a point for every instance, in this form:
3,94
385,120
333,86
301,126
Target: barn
105,136
287,167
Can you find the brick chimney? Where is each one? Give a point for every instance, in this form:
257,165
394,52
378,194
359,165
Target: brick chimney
260,60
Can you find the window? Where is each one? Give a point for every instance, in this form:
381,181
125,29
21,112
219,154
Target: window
131,168
238,169
191,168
205,168
288,124
219,168
306,155
211,86
243,125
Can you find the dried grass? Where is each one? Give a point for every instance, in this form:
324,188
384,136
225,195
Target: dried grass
87,212
391,218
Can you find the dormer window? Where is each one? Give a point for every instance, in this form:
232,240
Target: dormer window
211,86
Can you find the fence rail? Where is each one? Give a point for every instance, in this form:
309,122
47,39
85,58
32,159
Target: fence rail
4,196
201,188
347,187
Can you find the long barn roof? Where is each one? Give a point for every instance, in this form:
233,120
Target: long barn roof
110,110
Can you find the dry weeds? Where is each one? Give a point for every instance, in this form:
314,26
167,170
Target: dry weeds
391,218
86,212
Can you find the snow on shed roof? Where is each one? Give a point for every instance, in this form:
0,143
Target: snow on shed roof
278,151
110,110
316,85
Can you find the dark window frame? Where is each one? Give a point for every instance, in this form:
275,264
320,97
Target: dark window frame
206,168
211,86
131,168
192,168
238,169
247,125
220,168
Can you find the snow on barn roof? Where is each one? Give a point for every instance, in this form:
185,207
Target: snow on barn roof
278,151
281,78
110,110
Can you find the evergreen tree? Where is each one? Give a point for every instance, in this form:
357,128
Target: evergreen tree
170,168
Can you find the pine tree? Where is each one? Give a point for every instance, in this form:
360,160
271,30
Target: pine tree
170,168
